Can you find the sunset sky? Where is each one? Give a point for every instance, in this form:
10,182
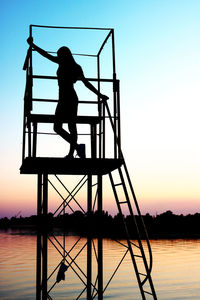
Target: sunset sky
158,64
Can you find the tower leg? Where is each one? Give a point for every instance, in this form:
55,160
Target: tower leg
89,241
39,246
41,263
44,251
100,244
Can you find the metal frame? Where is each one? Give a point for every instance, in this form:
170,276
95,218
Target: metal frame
93,290
30,128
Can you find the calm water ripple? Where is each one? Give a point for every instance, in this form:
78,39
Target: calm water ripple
176,270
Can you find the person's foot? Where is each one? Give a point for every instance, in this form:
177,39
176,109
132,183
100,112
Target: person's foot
81,150
69,156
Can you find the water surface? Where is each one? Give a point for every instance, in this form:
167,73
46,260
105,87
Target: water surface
176,269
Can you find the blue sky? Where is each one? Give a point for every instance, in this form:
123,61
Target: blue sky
158,64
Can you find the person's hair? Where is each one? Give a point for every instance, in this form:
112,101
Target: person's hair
65,52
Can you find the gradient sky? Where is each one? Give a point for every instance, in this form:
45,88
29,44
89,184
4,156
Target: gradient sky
158,64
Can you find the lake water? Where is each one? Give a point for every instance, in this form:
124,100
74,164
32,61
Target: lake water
176,269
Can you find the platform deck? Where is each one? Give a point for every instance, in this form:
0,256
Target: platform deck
76,166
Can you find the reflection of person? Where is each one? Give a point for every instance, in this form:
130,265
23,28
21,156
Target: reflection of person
68,73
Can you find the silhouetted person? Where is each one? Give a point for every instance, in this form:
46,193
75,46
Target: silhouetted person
68,73
61,272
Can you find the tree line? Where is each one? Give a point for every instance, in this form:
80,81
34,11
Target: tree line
164,225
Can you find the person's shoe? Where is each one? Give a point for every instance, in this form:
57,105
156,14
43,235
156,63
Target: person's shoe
69,156
81,150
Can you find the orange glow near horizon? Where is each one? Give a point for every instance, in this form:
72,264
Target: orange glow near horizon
158,68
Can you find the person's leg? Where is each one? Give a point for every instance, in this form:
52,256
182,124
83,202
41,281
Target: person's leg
70,138
63,133
73,137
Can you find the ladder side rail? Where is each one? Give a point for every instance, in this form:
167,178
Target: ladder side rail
129,206
132,190
147,268
141,219
128,238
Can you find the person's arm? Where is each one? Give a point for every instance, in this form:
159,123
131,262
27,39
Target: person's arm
41,51
92,88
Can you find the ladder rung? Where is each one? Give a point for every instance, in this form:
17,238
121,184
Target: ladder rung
140,256
133,244
118,184
122,202
148,292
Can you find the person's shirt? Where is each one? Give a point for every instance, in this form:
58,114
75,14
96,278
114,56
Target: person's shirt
68,75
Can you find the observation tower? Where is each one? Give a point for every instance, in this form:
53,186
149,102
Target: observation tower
103,168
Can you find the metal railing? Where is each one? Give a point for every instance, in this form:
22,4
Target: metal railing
29,134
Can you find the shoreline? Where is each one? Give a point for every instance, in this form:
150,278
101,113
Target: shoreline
164,226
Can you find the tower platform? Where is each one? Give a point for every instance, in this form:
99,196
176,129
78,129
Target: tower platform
75,166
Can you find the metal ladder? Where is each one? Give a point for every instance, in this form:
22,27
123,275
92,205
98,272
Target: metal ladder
136,249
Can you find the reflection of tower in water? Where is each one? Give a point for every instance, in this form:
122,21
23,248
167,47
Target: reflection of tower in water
104,159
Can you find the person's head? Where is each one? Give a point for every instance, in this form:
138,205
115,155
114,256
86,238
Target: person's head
65,54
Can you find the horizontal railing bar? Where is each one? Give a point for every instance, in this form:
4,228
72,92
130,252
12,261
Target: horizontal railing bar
42,118
44,100
54,100
64,27
88,102
82,54
49,133
55,77
76,54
